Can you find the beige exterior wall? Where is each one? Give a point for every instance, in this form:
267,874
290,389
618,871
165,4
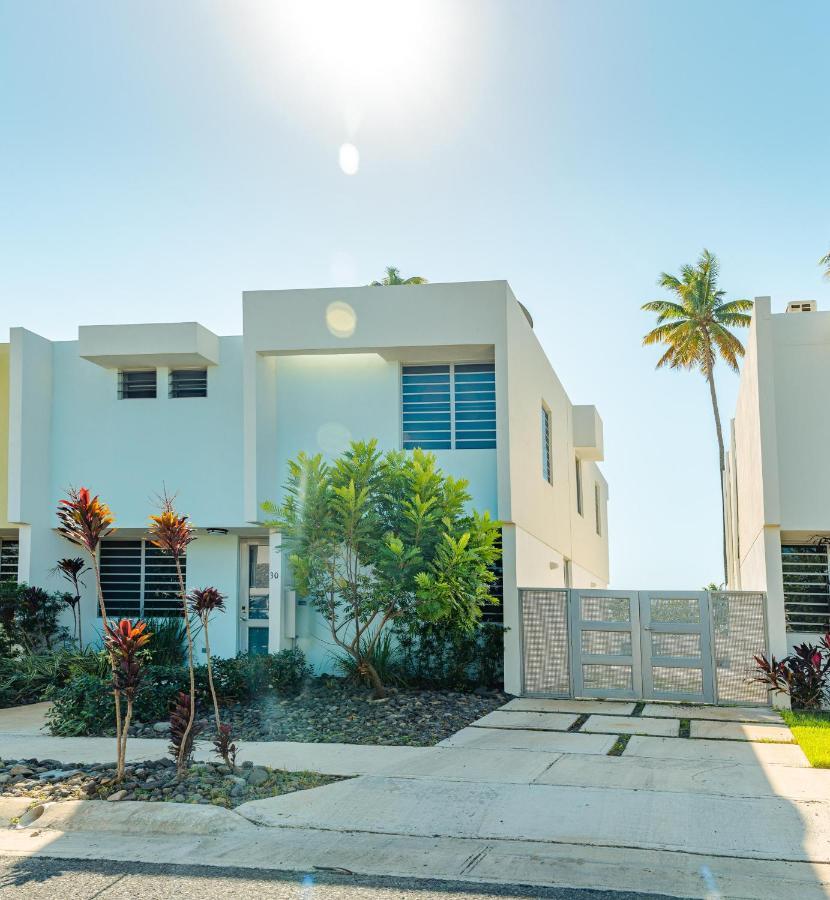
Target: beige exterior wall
4,437
778,480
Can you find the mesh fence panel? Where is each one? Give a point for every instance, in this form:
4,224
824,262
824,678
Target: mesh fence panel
738,634
545,630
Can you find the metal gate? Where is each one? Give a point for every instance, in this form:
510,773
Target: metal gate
693,646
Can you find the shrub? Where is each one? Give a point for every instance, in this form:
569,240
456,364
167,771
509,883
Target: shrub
384,656
29,616
82,704
31,677
437,655
249,676
167,640
804,675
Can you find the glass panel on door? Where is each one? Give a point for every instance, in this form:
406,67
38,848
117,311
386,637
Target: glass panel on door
255,613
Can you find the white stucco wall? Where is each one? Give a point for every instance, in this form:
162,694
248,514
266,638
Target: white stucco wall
778,481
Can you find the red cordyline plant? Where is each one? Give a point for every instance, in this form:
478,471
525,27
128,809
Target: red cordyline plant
804,675
171,533
72,568
203,602
85,520
182,730
125,643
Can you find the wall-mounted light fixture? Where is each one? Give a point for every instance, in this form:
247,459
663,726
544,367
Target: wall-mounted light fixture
216,530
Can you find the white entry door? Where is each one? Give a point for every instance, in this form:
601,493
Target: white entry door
254,612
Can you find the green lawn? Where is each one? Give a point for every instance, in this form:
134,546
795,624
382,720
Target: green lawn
812,731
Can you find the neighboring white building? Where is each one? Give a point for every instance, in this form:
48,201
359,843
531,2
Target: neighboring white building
778,478
129,409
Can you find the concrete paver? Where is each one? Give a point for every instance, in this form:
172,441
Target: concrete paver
578,707
631,725
724,777
541,741
736,751
758,714
741,731
545,721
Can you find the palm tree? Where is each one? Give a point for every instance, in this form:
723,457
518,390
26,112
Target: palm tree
393,276
695,328
825,261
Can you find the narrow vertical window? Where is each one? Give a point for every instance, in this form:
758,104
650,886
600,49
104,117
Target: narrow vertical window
598,508
578,462
547,466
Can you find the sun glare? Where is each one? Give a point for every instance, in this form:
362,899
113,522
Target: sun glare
387,65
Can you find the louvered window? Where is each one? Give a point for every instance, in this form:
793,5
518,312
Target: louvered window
449,406
139,580
806,587
9,553
136,384
188,383
547,464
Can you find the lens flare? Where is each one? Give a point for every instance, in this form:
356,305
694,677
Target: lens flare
341,319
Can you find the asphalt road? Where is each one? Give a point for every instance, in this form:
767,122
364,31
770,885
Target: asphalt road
55,879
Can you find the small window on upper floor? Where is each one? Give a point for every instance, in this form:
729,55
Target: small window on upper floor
188,383
598,508
136,384
579,485
547,463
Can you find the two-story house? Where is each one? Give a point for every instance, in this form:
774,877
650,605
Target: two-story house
130,410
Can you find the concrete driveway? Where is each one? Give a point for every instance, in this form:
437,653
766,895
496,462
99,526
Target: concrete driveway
533,793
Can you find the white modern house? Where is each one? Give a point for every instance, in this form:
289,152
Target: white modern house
129,410
777,482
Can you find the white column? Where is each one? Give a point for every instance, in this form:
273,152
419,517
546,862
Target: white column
275,612
510,600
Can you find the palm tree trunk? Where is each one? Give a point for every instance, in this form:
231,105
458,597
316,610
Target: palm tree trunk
710,378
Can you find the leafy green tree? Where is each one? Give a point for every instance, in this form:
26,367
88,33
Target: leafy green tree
375,538
393,276
695,329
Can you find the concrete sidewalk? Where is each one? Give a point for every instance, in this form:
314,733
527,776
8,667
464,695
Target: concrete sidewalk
516,797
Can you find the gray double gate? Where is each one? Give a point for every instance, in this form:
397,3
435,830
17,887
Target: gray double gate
695,646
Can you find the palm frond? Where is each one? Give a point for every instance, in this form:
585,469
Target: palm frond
825,261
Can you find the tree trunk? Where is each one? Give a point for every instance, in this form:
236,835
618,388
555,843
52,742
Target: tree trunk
122,750
710,378
374,679
183,749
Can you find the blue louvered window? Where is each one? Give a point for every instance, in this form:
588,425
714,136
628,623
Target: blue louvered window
449,406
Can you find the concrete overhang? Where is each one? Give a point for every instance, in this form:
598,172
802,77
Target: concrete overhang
139,346
587,436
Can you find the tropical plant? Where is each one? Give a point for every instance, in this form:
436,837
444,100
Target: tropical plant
85,520
71,569
224,745
803,675
172,533
393,276
168,644
30,618
182,730
125,643
203,602
695,329
825,262
381,654
373,538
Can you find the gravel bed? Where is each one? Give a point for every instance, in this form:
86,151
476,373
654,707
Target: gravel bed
156,780
332,710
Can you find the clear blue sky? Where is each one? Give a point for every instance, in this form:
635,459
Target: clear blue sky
158,158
